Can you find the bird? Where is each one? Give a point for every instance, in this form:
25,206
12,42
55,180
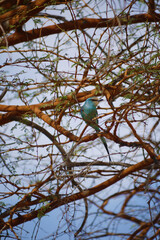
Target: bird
89,113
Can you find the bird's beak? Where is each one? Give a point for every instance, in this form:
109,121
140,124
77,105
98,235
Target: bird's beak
100,100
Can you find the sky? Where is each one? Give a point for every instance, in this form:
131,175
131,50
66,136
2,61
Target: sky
55,219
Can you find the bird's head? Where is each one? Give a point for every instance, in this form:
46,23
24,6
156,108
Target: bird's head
95,100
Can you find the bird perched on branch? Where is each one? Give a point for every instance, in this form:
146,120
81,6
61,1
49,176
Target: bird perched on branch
89,114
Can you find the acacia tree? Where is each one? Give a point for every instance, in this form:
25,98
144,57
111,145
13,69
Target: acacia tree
54,56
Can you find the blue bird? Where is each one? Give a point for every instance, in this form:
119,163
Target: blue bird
89,113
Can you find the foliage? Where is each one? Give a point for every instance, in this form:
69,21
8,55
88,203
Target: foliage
56,180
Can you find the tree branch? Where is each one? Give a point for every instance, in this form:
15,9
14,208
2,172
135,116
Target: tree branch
80,195
80,24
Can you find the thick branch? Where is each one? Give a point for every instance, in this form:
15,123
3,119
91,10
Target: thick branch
80,24
77,196
22,13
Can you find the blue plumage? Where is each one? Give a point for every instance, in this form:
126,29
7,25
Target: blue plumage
89,113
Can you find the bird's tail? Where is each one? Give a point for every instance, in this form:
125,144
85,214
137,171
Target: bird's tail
106,147
103,141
